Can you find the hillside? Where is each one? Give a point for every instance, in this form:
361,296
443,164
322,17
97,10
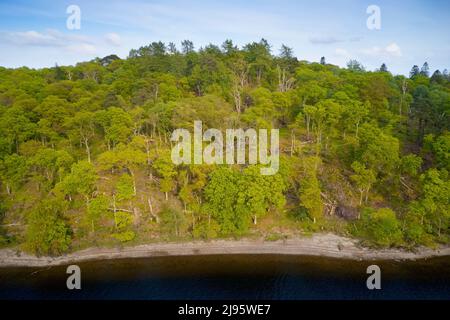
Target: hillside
85,150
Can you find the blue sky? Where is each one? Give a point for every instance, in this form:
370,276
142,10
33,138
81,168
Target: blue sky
34,33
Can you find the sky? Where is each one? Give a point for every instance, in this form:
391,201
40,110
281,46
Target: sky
35,33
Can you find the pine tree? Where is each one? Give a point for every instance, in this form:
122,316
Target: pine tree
425,71
414,72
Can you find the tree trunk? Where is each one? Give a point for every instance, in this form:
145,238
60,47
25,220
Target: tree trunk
114,211
134,181
88,149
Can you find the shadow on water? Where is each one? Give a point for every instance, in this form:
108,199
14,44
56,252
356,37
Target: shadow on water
232,277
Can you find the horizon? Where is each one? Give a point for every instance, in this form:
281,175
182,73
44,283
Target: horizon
35,34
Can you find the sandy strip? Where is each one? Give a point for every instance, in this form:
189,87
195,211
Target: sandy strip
328,245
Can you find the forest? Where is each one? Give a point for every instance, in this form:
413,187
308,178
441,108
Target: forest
85,150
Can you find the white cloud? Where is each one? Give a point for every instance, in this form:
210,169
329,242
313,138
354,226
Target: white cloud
391,50
394,50
342,53
32,38
82,48
113,39
51,38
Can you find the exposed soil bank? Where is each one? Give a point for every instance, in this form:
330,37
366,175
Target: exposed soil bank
328,245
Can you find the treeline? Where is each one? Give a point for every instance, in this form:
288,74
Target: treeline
85,149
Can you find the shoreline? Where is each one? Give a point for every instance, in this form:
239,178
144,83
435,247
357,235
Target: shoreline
320,245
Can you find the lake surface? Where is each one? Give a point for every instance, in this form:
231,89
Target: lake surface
232,277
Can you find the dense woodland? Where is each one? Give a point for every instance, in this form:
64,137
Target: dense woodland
85,150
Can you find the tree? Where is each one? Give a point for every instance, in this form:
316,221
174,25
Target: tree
437,77
378,150
96,210
123,221
435,201
383,68
286,52
258,193
383,227
129,156
124,188
187,46
166,169
49,163
47,232
116,124
221,193
16,127
81,129
173,222
410,164
363,178
310,191
13,169
441,150
421,107
81,180
228,47
172,48
425,70
355,65
414,72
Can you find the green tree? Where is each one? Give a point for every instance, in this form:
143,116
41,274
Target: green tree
382,226
81,180
363,178
97,209
124,187
129,156
81,128
166,170
47,232
173,221
13,169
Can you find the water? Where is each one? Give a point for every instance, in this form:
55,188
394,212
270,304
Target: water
232,277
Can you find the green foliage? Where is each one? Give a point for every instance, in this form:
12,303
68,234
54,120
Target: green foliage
166,169
124,188
363,178
99,132
81,180
310,191
381,227
173,222
13,169
411,164
123,221
47,232
237,198
96,210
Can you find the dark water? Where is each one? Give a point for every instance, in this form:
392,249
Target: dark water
232,277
